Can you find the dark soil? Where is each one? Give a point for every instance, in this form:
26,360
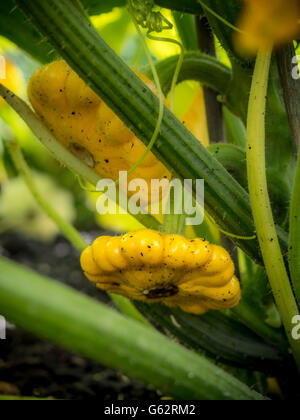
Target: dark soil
33,367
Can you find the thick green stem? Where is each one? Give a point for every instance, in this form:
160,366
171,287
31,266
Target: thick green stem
294,246
62,315
261,207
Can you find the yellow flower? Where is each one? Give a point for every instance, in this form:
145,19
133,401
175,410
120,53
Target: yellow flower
267,22
11,78
154,267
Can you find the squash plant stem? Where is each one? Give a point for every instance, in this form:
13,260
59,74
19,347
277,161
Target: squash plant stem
294,245
66,228
261,207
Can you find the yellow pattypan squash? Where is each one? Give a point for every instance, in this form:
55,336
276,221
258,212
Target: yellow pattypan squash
154,267
84,124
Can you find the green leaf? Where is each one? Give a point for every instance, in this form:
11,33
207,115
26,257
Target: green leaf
235,129
256,293
17,29
233,158
219,337
60,314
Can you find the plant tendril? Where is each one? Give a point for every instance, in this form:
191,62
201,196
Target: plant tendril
178,66
146,17
231,235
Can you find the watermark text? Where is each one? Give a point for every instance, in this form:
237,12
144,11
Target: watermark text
160,196
2,328
2,67
296,329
